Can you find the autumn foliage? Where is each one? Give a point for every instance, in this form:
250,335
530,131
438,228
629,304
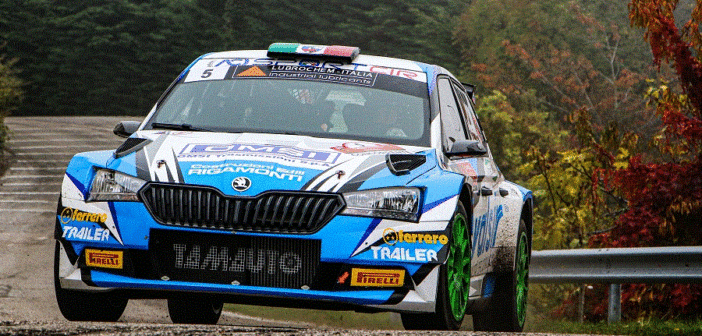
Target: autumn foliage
622,166
664,193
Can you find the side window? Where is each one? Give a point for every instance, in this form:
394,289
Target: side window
451,121
469,116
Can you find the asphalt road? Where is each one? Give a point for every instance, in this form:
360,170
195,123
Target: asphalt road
29,190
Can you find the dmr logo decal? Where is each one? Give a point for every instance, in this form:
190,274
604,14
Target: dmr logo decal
283,153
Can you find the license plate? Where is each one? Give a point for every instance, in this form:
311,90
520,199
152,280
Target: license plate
236,259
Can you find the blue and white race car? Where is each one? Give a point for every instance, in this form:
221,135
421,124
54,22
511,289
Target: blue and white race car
299,176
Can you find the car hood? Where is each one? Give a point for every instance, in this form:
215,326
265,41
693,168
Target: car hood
267,161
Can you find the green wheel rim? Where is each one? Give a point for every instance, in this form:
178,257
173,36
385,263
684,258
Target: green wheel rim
522,277
459,267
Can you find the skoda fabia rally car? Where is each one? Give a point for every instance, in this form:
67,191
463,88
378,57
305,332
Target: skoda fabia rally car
299,176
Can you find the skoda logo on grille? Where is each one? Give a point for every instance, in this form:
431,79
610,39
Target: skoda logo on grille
241,183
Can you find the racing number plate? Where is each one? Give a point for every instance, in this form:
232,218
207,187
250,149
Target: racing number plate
235,259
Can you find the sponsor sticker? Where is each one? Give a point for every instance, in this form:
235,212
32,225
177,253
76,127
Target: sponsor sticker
283,153
280,173
409,74
466,168
104,259
253,71
218,69
344,76
69,215
392,237
85,233
311,49
485,227
360,147
224,259
377,277
403,254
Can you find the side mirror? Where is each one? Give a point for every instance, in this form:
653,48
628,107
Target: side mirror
126,128
467,147
470,90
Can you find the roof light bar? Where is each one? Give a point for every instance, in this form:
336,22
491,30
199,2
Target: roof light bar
341,53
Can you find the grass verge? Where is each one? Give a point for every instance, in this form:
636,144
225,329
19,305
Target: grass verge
535,322
343,319
639,328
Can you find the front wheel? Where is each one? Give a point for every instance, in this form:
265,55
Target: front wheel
86,306
454,282
195,310
507,308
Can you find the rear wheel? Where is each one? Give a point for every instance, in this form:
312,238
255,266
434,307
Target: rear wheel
86,306
454,282
507,308
195,310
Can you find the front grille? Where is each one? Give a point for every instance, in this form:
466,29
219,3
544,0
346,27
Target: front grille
235,259
272,211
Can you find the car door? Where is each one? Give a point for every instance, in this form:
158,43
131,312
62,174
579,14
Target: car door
484,228
458,124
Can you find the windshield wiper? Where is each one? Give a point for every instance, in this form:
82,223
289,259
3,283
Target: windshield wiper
178,127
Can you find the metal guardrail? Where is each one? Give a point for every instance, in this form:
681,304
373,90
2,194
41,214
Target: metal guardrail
615,266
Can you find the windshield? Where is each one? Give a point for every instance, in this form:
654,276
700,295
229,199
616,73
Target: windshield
365,106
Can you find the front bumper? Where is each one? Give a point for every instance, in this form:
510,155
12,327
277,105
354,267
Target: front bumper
344,244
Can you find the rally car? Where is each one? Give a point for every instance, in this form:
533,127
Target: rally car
299,176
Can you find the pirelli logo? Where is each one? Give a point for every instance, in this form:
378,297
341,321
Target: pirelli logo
104,259
365,277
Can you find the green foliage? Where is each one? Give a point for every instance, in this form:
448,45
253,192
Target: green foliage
417,30
574,55
513,133
10,87
10,98
117,57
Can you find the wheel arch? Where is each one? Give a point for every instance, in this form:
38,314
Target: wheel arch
528,217
466,197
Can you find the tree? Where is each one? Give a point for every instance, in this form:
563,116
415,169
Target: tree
113,57
580,64
10,98
416,30
573,58
664,192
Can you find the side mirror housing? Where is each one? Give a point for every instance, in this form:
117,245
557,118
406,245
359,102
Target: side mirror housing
467,147
126,128
470,90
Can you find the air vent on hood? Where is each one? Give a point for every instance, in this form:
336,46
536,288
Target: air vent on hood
401,164
130,145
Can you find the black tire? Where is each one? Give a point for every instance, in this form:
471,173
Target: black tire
507,308
86,306
195,310
447,316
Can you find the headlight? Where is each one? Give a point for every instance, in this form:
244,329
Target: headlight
396,203
109,185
